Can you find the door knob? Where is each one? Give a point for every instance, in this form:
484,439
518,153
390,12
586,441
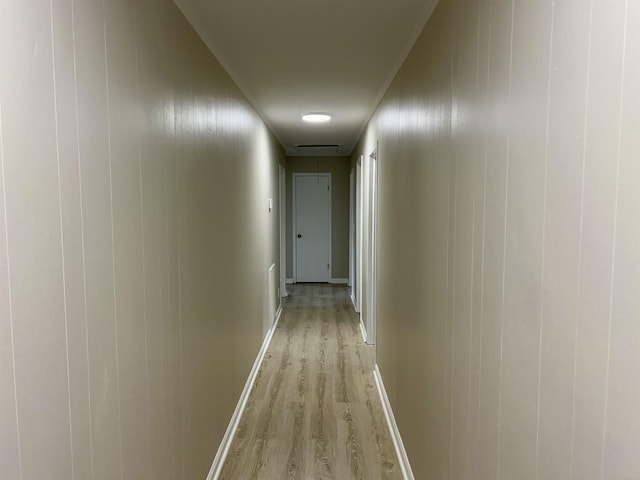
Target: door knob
299,235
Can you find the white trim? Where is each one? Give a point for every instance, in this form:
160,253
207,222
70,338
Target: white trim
363,330
341,281
294,249
282,218
278,313
272,301
225,445
372,228
359,232
352,236
403,460
290,281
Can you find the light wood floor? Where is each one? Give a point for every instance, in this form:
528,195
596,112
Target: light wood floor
314,412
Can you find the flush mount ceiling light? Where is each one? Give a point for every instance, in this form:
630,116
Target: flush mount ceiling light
316,117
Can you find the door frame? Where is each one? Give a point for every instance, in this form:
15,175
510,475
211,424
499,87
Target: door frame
359,194
372,210
352,232
282,187
294,212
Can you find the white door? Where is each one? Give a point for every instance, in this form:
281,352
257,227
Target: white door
312,227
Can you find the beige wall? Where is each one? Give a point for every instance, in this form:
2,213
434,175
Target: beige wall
339,169
509,246
134,242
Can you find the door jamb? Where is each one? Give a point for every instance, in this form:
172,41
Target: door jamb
372,247
359,232
282,178
352,231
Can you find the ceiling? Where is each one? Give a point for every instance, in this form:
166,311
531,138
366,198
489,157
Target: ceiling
292,57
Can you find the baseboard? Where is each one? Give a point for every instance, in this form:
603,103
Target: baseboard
363,330
225,445
405,467
353,300
340,281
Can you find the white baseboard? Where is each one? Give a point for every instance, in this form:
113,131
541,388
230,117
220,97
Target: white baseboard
405,467
363,330
341,281
225,445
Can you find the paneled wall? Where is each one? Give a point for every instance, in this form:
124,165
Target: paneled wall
135,242
509,241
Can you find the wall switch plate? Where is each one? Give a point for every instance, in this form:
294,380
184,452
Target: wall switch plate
270,204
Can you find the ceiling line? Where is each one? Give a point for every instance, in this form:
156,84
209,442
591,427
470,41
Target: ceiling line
194,21
200,30
423,18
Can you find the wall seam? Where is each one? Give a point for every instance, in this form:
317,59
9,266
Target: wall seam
471,446
470,361
484,228
180,317
84,271
143,262
453,312
113,246
11,325
580,245
615,234
169,312
62,255
544,236
504,254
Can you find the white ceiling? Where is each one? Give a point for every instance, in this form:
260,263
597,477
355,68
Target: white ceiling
291,57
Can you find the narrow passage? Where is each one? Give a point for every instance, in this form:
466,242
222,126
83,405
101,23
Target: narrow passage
314,412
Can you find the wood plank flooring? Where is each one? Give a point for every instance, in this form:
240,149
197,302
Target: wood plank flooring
314,412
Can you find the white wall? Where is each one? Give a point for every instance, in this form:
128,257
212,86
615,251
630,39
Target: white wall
135,242
509,246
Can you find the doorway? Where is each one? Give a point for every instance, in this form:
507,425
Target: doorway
311,227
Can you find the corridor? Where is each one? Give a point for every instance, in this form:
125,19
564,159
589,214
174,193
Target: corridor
314,412
462,173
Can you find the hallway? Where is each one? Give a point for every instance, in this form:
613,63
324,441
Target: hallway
314,411
483,166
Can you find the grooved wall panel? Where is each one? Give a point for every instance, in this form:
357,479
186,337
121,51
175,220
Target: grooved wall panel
508,241
133,210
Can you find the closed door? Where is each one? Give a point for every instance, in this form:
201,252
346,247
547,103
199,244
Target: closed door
312,233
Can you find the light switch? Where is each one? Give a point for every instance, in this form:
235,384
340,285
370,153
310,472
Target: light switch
270,204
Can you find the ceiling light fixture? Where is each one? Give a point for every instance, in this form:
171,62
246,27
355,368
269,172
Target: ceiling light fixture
316,117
